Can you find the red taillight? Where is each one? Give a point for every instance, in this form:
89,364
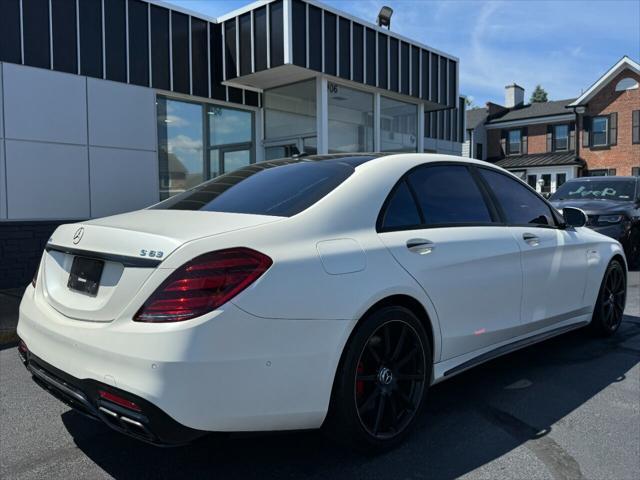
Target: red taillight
22,347
203,284
118,400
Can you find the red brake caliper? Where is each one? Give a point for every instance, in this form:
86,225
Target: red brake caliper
360,383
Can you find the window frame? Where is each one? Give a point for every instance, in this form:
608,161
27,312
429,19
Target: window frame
555,215
497,218
607,120
207,147
555,137
519,152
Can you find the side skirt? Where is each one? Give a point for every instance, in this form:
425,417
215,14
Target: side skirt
512,347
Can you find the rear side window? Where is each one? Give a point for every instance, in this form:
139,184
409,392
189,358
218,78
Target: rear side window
520,205
401,211
448,194
264,189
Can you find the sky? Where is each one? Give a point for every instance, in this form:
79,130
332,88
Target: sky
563,45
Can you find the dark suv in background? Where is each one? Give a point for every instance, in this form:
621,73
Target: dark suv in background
612,205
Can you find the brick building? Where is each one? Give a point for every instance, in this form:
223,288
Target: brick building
548,143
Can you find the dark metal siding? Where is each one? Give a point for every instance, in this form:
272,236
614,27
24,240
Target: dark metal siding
64,34
115,40
426,68
415,72
138,43
442,96
315,38
260,38
10,36
358,53
330,33
218,91
405,81
160,48
230,51
394,69
433,92
35,21
91,38
344,55
383,61
299,32
180,51
199,62
370,48
245,43
276,33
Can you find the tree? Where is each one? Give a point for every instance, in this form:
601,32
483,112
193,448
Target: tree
539,95
468,102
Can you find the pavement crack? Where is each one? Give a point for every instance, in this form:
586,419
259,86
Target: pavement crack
560,463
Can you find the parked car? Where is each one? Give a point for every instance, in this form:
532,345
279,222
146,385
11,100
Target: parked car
612,205
325,291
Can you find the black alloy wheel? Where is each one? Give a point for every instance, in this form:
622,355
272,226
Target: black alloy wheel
381,383
390,379
609,310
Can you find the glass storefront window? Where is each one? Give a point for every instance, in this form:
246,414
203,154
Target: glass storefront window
350,120
180,146
398,126
186,156
230,139
290,111
228,126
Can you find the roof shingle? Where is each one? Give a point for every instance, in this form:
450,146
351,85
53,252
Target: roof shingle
533,110
540,160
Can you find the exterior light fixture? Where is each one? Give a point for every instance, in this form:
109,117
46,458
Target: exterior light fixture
384,17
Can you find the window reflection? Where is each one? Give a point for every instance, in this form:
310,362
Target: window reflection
180,146
183,160
230,139
227,126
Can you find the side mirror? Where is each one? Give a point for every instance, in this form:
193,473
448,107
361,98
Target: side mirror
574,217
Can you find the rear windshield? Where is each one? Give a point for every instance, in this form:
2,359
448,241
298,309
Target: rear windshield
620,190
282,188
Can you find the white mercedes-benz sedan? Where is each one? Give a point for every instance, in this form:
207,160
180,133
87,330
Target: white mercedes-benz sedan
317,291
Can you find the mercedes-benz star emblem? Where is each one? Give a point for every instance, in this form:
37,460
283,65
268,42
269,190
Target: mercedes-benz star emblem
78,235
385,376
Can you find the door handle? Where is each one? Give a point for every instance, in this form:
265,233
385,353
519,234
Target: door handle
531,239
420,246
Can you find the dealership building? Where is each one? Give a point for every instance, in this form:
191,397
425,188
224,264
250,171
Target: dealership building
108,106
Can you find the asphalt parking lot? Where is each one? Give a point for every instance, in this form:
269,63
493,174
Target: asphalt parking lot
565,409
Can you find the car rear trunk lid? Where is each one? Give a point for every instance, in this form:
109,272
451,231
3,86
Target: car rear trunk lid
119,254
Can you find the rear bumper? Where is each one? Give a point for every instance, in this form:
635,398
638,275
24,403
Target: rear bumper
149,423
227,372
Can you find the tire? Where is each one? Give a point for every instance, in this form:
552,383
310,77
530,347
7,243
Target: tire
386,362
609,310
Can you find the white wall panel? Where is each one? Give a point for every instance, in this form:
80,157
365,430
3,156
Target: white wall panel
3,190
47,181
1,105
44,105
122,180
121,115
